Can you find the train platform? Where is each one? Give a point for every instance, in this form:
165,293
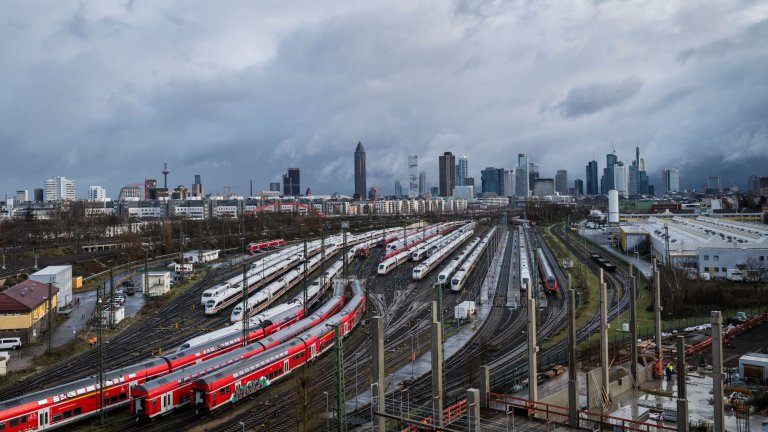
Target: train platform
423,364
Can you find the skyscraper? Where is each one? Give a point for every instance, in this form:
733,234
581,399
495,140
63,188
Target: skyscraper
398,189
670,181
620,178
292,182
462,171
533,174
423,183
753,184
713,184
578,187
274,186
413,176
561,182
447,172
521,176
509,183
360,174
592,183
489,179
608,182
197,187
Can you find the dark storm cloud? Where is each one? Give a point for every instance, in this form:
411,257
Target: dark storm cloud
593,98
105,93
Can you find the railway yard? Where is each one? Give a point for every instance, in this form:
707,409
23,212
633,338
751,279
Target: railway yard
196,364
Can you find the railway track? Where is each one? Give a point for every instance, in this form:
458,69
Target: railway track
139,341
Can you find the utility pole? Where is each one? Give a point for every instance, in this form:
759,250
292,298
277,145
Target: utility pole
306,307
100,342
341,410
344,226
146,271
50,315
111,296
246,318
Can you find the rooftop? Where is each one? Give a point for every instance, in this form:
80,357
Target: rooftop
24,296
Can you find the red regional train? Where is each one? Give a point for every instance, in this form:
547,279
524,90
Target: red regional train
548,278
71,402
174,390
238,381
267,245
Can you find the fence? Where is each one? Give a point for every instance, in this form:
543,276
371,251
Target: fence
559,414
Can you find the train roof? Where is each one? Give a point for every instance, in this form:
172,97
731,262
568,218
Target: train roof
201,369
81,386
252,363
223,341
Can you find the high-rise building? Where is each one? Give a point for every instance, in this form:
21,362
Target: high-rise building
509,183
413,176
274,186
753,184
21,196
150,189
533,174
670,181
59,189
561,182
544,187
398,189
489,179
97,193
620,178
39,195
642,182
592,182
608,182
462,171
469,181
292,182
360,174
447,171
578,187
435,191
521,176
423,183
713,184
197,186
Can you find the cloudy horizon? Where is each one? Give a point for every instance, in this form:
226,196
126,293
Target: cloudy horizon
235,91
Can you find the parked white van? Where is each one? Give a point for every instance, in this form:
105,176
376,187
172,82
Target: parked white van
10,343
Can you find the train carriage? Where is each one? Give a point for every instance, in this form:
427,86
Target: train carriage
548,278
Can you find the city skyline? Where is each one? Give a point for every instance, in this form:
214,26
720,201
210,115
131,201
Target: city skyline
240,104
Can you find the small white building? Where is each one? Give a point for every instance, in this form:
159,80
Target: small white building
61,276
753,367
117,318
156,283
207,256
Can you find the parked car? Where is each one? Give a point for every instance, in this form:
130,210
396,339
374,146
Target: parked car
10,343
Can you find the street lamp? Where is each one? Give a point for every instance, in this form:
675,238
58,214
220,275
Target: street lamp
327,413
242,425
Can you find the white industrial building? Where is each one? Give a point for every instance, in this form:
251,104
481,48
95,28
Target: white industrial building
156,283
207,256
716,248
61,276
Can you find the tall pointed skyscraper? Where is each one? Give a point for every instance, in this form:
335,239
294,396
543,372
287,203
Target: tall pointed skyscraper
360,186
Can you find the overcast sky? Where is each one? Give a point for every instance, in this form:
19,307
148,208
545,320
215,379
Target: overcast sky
104,92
